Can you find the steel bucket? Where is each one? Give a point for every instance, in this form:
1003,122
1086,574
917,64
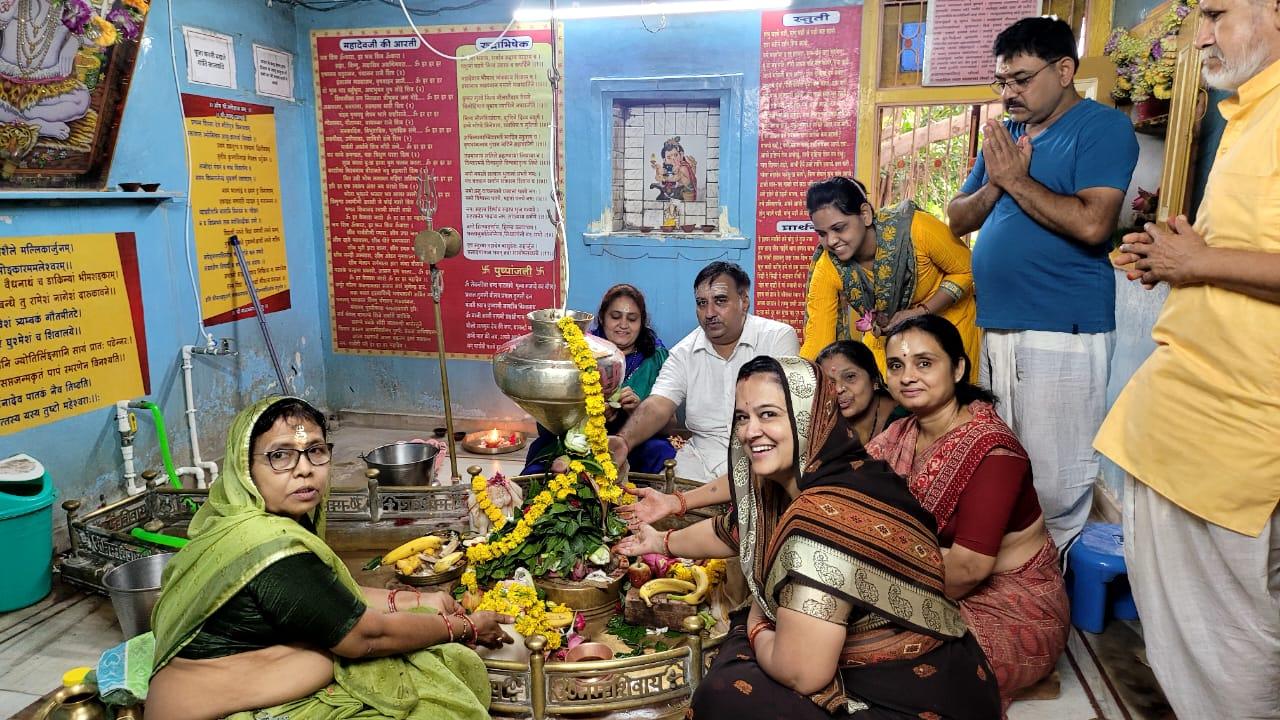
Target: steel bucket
134,588
404,463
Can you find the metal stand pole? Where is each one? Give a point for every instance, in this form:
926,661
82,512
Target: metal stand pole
234,240
437,289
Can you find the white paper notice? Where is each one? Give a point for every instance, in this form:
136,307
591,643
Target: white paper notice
273,72
211,57
959,34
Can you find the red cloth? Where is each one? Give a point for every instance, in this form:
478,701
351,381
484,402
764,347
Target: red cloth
999,499
1021,618
940,474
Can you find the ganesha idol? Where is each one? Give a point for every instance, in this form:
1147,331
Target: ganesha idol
38,82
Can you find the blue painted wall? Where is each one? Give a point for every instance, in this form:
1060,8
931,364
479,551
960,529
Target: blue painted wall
81,453
711,45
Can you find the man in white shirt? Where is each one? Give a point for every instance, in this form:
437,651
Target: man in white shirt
702,370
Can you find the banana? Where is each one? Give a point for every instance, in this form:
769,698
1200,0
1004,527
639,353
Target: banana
663,585
703,583
413,547
409,565
559,619
446,562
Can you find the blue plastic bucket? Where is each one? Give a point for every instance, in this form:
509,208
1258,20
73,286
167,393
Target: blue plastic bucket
26,532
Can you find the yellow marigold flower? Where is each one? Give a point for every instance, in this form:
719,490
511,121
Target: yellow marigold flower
139,5
104,33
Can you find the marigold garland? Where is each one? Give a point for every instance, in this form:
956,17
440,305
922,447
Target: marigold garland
563,484
594,428
485,552
521,602
480,487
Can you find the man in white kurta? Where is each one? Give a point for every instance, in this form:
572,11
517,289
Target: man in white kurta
702,370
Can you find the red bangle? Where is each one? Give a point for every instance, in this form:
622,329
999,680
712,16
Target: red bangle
684,507
756,629
666,543
448,626
391,600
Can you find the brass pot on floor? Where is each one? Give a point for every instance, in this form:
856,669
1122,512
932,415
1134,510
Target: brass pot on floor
538,373
597,604
79,702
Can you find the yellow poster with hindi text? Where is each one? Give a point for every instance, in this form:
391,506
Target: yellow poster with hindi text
71,327
235,191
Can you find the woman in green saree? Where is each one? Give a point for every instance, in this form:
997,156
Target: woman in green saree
258,618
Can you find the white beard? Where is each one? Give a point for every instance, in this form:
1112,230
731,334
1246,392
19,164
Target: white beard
1231,75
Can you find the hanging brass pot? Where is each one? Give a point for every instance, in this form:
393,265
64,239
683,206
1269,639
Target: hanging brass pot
538,373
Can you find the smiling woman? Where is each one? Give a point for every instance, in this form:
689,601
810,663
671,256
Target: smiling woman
967,467
872,270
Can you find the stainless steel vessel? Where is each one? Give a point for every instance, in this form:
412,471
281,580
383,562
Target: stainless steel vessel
538,373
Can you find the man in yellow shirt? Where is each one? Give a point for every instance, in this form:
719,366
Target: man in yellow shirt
1198,426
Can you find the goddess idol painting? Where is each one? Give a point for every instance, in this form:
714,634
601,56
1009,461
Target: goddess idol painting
64,68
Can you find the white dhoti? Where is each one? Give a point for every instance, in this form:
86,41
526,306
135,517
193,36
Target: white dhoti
702,459
1209,602
1052,391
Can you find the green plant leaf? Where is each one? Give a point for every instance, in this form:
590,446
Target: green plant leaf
630,634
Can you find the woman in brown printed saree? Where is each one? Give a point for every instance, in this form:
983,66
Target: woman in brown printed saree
848,614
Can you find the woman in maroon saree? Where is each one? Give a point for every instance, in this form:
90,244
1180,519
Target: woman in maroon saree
844,571
966,467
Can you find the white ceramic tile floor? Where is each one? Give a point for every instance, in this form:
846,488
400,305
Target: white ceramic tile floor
11,702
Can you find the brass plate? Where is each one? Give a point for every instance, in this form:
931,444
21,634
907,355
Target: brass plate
478,447
447,576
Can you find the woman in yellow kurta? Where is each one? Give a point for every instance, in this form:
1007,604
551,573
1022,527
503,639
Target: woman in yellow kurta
874,269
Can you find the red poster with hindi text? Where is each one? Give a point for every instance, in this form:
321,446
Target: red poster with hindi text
808,113
388,107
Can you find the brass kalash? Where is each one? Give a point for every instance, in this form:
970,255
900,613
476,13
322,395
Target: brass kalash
538,373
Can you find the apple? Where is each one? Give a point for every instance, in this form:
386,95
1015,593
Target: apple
639,573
